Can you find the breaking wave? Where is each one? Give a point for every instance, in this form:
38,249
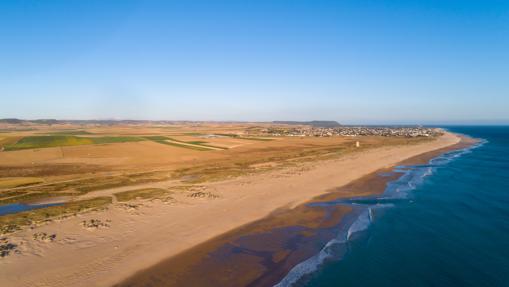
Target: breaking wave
364,210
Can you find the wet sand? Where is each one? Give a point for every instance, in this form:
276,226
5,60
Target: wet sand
263,252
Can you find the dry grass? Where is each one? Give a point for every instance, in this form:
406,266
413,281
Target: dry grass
77,187
255,161
13,222
146,193
79,169
10,182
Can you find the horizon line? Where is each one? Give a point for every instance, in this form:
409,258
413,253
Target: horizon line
347,123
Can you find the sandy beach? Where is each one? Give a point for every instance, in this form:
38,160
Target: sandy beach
136,237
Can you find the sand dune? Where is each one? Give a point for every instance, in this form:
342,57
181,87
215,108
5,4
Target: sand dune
138,236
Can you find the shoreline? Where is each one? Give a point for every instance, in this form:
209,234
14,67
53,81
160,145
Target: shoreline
263,252
142,237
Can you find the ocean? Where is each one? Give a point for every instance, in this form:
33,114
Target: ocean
445,223
436,220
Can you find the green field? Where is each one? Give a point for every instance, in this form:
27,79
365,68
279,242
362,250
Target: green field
198,145
181,145
73,138
157,138
32,142
118,139
71,133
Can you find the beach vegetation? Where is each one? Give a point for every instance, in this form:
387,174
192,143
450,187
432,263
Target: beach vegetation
13,222
77,187
145,193
11,182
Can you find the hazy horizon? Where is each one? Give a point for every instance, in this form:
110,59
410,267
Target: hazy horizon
356,62
431,123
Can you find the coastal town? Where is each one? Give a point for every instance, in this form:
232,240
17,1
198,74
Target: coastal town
307,131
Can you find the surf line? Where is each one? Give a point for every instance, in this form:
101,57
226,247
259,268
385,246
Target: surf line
364,212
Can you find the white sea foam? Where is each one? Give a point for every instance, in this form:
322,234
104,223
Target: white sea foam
310,265
360,224
333,248
412,177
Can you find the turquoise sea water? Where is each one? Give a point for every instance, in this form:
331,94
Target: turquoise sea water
441,224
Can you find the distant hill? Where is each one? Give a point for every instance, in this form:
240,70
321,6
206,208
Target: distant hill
318,124
18,121
11,121
82,122
321,124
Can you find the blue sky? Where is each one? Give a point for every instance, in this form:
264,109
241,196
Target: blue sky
356,61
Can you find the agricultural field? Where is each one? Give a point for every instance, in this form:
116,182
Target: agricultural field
125,162
45,141
10,182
